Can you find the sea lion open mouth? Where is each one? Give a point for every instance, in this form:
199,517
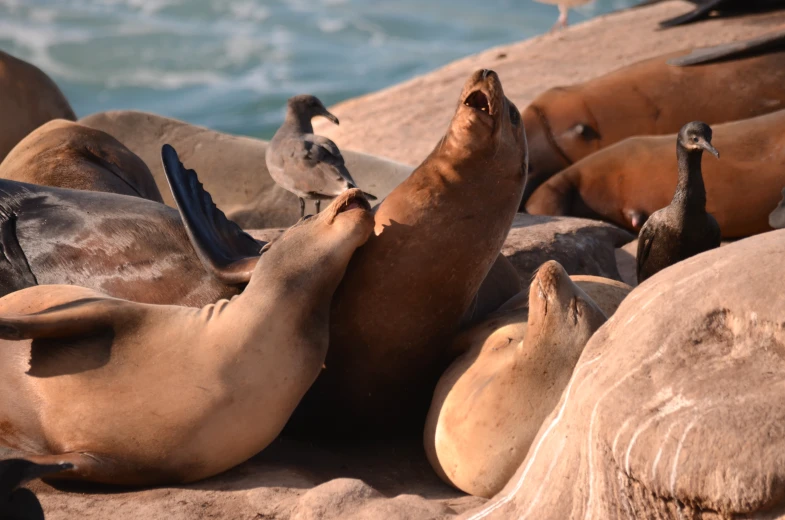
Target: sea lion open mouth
352,199
478,101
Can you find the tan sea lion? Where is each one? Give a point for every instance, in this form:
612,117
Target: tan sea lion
651,97
629,181
28,99
490,403
436,238
138,394
63,154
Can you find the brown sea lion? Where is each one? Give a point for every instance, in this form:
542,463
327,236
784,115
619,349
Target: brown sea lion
629,181
684,228
28,99
138,394
126,247
406,290
63,154
651,97
490,403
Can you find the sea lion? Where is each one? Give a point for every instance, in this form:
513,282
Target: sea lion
63,154
682,229
777,217
126,247
16,502
406,290
233,168
629,181
308,165
28,99
490,403
136,394
651,97
705,8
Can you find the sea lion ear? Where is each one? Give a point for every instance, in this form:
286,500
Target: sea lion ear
743,49
226,251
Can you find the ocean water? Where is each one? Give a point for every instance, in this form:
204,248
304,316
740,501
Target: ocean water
231,64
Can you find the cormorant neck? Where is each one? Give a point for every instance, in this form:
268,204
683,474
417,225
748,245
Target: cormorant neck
690,192
299,120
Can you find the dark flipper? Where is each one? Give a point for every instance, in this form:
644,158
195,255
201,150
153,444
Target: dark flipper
699,13
645,240
81,316
777,217
769,42
15,272
226,251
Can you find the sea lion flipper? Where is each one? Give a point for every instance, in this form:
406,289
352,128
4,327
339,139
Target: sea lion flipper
645,240
78,317
766,43
700,12
225,250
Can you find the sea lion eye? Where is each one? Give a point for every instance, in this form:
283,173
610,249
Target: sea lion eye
586,132
515,116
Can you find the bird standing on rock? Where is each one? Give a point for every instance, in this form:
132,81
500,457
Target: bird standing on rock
564,8
684,228
22,504
308,165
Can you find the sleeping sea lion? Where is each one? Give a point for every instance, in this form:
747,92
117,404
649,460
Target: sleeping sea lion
490,403
406,290
629,181
651,97
63,154
126,247
28,99
136,394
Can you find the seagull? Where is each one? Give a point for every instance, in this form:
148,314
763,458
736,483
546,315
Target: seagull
564,7
308,165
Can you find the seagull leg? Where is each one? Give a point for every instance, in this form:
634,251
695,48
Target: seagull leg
561,22
318,205
302,207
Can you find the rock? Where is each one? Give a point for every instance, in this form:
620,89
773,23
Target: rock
404,120
677,404
232,168
581,246
289,479
28,99
63,154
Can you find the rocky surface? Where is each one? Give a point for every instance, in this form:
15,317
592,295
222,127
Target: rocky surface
676,407
403,122
581,246
232,168
289,480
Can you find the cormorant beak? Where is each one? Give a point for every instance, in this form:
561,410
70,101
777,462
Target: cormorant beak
709,148
326,113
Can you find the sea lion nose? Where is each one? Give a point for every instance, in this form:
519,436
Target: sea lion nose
485,73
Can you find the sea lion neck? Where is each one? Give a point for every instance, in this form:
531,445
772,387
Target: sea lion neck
690,192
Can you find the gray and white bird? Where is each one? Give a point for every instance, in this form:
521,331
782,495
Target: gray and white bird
308,165
564,8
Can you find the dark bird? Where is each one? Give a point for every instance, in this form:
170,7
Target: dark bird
308,165
17,503
684,228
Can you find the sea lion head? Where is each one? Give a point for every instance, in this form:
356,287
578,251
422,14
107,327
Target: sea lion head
559,309
322,243
696,136
561,130
487,126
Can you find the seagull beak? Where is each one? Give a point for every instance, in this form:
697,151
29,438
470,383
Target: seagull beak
709,148
331,117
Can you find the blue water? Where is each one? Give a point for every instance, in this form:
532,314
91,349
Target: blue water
231,64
